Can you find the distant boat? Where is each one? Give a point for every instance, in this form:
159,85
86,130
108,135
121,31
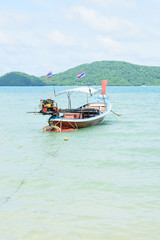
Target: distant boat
88,114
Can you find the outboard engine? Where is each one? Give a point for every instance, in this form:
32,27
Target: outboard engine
47,107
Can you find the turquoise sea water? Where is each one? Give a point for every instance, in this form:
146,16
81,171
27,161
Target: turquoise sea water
103,183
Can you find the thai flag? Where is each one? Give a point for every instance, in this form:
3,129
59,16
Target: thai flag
80,75
48,75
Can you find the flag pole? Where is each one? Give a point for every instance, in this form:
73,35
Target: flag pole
48,76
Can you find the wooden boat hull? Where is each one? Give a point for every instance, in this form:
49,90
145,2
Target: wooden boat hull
64,123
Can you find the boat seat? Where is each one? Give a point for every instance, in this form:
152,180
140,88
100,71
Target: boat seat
72,115
103,108
92,107
89,112
72,110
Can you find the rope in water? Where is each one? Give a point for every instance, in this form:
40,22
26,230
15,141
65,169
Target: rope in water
51,128
46,128
115,113
8,198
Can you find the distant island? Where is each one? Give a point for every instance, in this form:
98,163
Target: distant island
116,72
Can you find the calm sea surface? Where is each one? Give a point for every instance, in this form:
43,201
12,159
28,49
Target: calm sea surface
101,184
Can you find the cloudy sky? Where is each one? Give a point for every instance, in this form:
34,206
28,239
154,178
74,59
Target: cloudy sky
37,36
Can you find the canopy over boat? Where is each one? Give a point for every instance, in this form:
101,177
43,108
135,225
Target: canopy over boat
87,90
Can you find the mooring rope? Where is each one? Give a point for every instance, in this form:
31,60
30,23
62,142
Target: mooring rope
12,194
49,128
75,127
8,198
115,113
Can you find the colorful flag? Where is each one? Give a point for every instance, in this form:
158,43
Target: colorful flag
80,75
49,75
103,86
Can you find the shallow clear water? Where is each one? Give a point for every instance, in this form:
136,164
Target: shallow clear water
103,183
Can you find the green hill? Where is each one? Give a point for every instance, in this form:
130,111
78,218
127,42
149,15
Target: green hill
20,79
117,73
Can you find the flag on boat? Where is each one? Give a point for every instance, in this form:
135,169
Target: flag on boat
103,86
80,75
48,75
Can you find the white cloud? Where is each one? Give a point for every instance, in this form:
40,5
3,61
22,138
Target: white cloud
108,43
99,23
3,38
14,39
106,3
94,30
13,29
9,19
58,38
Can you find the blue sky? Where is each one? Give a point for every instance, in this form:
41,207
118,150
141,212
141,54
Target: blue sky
37,36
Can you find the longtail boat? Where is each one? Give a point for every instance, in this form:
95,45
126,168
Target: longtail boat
88,114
